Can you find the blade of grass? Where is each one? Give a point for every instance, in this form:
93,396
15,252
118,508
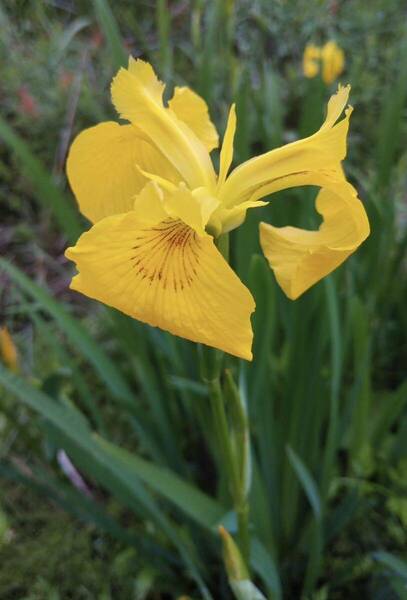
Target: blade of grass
76,333
265,567
110,29
208,53
307,481
359,434
302,400
315,550
395,564
389,131
90,456
336,374
69,33
163,18
392,406
47,193
54,346
261,377
164,439
272,109
194,503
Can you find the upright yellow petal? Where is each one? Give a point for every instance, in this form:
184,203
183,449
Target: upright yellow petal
168,276
333,62
310,60
103,168
224,220
149,203
137,95
300,258
193,110
323,151
226,153
193,208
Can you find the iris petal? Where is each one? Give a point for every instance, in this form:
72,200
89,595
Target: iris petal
322,151
137,94
168,276
193,110
103,168
300,258
226,154
333,62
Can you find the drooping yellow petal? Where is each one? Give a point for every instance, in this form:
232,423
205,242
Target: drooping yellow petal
226,153
310,60
102,168
335,107
168,276
193,110
333,62
300,258
137,96
321,152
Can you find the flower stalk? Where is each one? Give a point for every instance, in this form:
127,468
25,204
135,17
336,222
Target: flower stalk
233,441
240,442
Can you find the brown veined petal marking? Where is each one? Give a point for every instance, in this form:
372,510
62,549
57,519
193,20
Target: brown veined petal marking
168,276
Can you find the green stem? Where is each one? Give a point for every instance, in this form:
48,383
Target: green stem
222,433
230,462
243,530
235,461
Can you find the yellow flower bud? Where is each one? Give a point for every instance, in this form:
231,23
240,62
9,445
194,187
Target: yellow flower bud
8,350
310,61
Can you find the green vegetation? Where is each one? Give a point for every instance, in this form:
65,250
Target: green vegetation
327,390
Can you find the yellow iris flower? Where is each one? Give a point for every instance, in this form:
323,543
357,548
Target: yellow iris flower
310,61
157,206
330,57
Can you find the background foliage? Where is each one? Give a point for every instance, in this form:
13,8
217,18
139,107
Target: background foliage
131,512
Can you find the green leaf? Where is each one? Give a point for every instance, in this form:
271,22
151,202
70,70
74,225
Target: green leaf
336,367
194,503
263,564
394,563
64,40
315,544
391,406
188,385
111,31
91,457
163,18
76,333
389,132
245,590
307,482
